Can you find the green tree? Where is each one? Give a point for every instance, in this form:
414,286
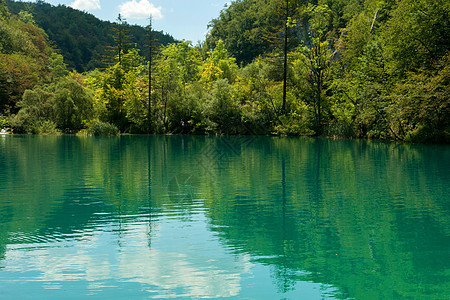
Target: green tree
318,54
121,37
111,95
417,34
169,84
135,89
26,17
242,27
72,105
24,55
421,106
56,66
361,80
219,65
284,36
4,12
224,110
64,106
178,73
151,50
35,109
255,87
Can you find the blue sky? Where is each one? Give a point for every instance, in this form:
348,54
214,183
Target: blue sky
182,19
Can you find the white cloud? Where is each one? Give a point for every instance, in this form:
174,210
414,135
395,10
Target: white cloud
86,4
188,272
140,10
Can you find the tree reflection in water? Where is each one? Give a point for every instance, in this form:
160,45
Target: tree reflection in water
369,218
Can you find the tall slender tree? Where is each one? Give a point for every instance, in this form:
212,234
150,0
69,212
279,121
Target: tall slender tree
122,38
150,55
285,59
283,36
318,55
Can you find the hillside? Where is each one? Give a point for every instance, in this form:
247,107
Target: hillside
81,37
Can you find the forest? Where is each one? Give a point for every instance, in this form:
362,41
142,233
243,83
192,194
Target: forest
376,69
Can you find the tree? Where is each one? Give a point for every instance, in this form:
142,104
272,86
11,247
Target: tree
224,109
255,88
135,102
72,105
318,55
121,37
242,26
64,105
24,56
4,12
35,108
112,91
417,34
56,66
176,76
151,49
283,34
168,83
421,107
219,65
110,94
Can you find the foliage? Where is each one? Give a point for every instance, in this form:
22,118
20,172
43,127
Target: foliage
219,65
99,128
46,128
242,27
135,102
4,12
24,56
224,110
293,125
72,105
421,107
4,124
356,68
417,35
82,38
65,105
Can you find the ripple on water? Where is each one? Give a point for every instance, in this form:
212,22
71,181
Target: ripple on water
279,218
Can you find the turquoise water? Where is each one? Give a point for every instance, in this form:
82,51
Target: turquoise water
138,217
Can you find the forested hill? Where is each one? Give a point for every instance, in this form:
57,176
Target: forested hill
82,38
416,31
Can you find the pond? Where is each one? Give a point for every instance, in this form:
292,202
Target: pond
245,217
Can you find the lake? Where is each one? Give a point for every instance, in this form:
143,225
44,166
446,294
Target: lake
137,217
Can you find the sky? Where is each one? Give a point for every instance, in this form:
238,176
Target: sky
183,19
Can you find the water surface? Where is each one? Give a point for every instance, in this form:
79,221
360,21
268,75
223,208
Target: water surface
141,217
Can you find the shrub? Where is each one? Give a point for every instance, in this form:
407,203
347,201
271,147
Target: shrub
294,125
224,110
45,128
103,129
4,124
339,130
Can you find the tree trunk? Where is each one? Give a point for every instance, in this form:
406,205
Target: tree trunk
150,49
283,107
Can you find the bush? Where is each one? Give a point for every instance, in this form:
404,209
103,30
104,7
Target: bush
4,124
103,129
45,128
339,130
21,124
224,110
293,125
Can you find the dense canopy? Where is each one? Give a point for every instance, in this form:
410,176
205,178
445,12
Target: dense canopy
338,68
